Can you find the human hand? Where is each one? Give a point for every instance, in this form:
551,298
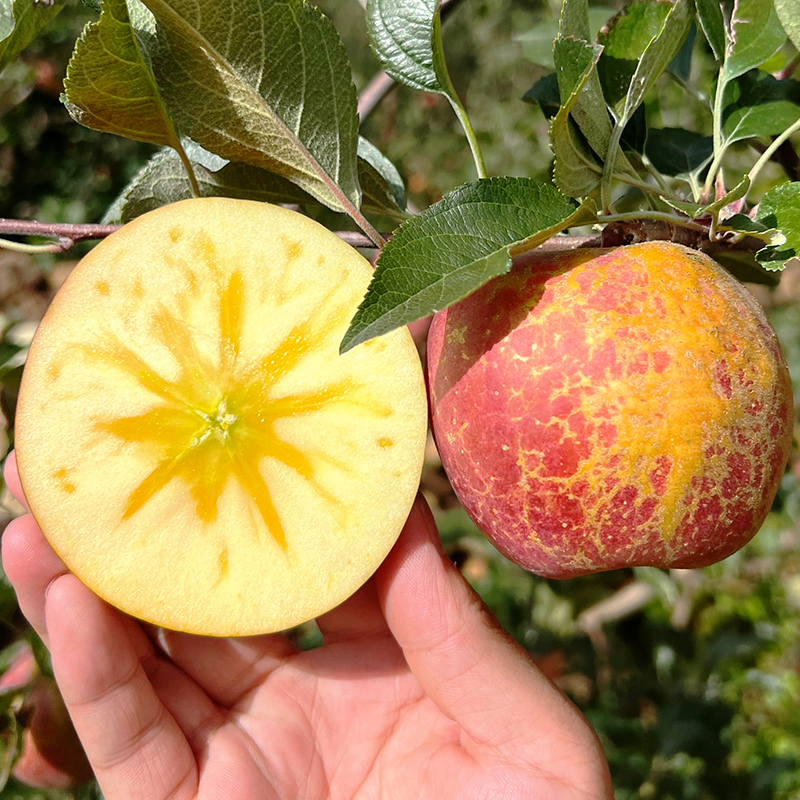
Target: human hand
416,693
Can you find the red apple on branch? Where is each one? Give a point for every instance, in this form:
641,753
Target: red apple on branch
598,409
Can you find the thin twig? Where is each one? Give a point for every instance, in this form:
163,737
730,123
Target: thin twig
373,93
67,235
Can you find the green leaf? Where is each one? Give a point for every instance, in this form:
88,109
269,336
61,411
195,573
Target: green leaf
455,246
573,22
382,187
743,224
639,47
755,35
110,85
402,36
712,22
787,12
577,169
625,40
756,105
20,21
164,180
262,82
677,151
537,42
545,94
681,65
780,209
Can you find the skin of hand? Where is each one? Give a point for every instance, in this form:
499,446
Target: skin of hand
416,693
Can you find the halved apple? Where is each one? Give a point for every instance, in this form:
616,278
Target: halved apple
190,440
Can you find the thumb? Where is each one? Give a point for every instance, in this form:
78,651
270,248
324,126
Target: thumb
471,669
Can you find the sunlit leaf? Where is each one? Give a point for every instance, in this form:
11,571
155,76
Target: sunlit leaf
780,209
787,11
577,169
455,246
110,85
164,180
20,21
262,82
756,105
755,35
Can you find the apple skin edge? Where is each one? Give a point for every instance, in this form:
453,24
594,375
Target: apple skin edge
600,409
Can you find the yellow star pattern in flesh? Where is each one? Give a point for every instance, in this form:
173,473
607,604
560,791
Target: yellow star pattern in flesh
215,420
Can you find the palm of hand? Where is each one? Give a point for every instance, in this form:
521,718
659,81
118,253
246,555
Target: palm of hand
350,720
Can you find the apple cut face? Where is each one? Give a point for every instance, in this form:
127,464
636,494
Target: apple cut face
190,440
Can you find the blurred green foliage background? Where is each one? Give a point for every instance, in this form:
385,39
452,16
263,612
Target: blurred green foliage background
691,678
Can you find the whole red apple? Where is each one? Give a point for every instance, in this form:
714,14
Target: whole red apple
598,409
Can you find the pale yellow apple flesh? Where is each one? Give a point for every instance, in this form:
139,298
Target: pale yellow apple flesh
190,440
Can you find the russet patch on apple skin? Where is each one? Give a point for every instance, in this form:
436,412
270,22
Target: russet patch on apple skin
601,409
188,436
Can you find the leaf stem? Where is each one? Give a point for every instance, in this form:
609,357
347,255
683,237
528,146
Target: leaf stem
719,146
69,234
608,167
449,91
474,146
378,239
187,165
665,216
22,247
769,152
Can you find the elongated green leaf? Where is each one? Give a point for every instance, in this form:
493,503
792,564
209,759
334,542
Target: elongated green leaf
573,22
789,15
164,180
756,104
756,34
712,22
457,245
780,209
624,41
638,49
263,82
20,21
578,81
577,169
110,85
401,34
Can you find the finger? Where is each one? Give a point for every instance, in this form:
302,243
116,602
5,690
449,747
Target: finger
11,477
101,661
469,667
31,566
227,669
358,617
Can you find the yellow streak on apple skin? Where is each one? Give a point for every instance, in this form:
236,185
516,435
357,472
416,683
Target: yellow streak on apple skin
698,400
216,421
